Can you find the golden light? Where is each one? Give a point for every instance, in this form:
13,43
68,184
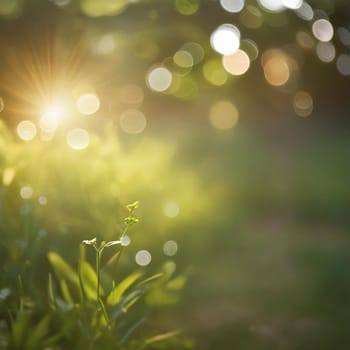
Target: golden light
323,30
236,64
171,209
225,39
159,79
26,130
303,104
133,121
223,115
2,104
50,119
8,176
276,68
78,139
88,104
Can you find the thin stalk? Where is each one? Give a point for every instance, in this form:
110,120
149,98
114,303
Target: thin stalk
98,273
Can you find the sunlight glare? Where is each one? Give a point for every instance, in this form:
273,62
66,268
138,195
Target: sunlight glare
50,119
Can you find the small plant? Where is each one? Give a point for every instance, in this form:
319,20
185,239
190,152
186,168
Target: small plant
86,308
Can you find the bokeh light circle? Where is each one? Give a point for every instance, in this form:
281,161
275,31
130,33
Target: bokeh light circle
225,39
183,59
303,104
26,130
232,6
171,209
325,51
143,257
170,248
343,64
237,63
88,104
223,115
292,4
323,30
78,139
159,79
133,121
276,67
26,192
272,5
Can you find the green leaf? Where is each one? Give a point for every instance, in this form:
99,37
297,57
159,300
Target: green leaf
131,330
62,269
161,337
37,334
89,280
65,292
150,279
52,300
176,283
116,294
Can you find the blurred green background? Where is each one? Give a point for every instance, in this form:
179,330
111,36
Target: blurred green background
243,160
